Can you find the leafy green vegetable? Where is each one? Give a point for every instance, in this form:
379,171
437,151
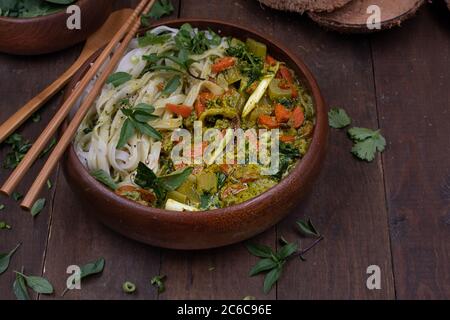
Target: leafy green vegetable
37,284
158,283
338,118
37,207
137,119
31,8
104,178
118,78
147,179
19,147
49,184
89,269
20,288
263,265
271,278
160,8
307,228
182,61
288,154
5,259
367,143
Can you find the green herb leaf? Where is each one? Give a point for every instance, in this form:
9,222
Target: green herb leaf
89,269
158,282
171,86
19,147
148,130
105,178
259,250
17,196
38,284
174,180
37,207
367,143
4,226
271,278
2,206
150,39
92,268
195,42
118,78
160,8
49,184
5,259
20,289
127,131
307,228
338,118
263,265
287,250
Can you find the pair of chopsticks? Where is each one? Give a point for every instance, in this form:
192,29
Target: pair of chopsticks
121,39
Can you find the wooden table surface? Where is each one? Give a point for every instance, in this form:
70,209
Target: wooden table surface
394,212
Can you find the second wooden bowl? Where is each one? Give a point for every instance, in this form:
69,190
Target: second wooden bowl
208,229
45,34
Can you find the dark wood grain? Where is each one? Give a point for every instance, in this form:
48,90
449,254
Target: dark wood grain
347,204
413,85
21,80
77,238
407,83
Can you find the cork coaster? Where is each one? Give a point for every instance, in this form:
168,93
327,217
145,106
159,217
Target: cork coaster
353,17
305,5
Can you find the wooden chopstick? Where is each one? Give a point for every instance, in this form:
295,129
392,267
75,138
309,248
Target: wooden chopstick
18,174
71,130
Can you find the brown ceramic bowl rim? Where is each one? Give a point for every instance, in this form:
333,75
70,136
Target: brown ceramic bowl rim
55,15
299,170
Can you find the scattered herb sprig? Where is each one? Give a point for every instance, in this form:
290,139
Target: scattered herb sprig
19,147
89,269
160,8
272,262
5,259
37,284
366,141
137,119
31,8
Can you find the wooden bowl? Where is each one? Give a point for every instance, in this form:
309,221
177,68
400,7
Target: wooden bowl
45,34
209,229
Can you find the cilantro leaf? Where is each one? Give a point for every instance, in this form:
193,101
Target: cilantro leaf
338,118
367,143
118,78
160,8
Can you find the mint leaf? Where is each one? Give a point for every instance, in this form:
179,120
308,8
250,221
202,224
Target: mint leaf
338,118
105,178
259,250
118,78
160,8
307,228
271,278
37,207
5,259
263,265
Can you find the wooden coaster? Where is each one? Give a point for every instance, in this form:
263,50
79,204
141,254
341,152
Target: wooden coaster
305,5
353,17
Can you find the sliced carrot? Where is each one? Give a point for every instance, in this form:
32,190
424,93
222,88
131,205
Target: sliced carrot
286,74
270,60
298,117
268,121
287,139
282,114
206,96
182,110
223,64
